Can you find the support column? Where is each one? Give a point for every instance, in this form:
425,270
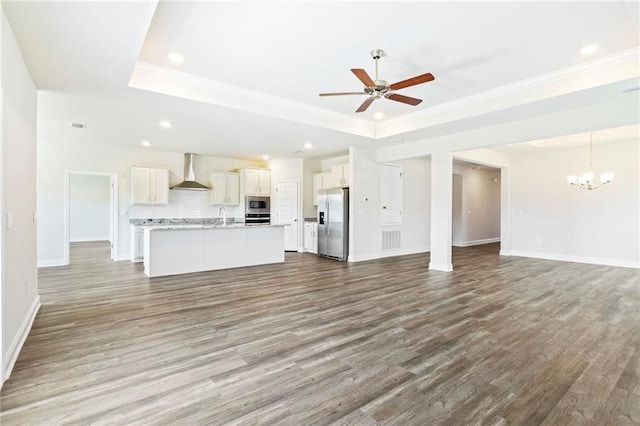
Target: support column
441,207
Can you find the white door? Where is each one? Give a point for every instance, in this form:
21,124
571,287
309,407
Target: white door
287,213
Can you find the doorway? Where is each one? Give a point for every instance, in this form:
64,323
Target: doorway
91,222
287,212
476,204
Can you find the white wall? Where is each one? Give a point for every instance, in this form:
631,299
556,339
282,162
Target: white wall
311,166
20,299
552,219
89,207
365,227
479,209
456,211
55,157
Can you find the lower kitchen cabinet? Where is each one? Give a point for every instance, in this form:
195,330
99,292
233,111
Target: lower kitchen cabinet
137,243
311,237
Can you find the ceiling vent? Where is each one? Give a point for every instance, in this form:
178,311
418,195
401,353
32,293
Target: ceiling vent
78,125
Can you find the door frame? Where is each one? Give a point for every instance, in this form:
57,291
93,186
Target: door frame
300,219
113,206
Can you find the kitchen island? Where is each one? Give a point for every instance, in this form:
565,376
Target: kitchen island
182,249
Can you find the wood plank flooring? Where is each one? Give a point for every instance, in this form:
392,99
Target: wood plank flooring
314,341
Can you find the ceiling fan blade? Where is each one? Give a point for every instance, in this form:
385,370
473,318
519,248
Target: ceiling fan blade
363,77
419,79
366,104
342,93
404,99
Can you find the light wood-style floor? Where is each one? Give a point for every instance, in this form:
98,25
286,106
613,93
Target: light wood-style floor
314,341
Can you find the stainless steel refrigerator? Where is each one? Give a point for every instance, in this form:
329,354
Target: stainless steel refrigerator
333,223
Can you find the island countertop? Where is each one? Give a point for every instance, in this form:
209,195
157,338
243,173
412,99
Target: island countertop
208,226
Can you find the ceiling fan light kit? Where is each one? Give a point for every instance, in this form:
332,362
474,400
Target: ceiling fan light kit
378,88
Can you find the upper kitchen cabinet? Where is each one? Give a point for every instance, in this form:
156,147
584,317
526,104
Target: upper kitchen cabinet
256,181
341,175
225,188
323,180
149,186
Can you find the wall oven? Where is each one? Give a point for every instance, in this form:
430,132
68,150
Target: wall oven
257,210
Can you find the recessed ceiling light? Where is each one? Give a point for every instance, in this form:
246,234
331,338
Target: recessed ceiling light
589,49
176,58
378,115
308,145
145,143
265,157
165,124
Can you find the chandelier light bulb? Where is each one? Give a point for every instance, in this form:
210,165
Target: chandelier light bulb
606,177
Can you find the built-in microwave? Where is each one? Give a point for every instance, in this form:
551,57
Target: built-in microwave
254,205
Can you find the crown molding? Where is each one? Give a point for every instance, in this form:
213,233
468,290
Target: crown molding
616,67
619,66
175,83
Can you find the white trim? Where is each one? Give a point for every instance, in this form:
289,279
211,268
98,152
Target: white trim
577,259
18,341
585,75
158,79
444,267
46,263
388,253
89,239
476,242
122,257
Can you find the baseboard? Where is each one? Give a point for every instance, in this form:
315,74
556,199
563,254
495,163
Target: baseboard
476,242
51,262
121,257
444,267
577,259
89,239
388,253
18,341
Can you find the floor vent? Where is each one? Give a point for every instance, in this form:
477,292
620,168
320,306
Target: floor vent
390,240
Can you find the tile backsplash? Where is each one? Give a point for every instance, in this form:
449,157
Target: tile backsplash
183,204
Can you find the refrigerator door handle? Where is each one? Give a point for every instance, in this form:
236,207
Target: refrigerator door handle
326,209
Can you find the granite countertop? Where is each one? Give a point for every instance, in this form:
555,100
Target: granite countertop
168,227
310,219
186,221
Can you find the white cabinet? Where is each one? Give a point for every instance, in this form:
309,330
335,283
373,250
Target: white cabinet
149,185
256,181
311,237
225,188
322,180
340,175
137,244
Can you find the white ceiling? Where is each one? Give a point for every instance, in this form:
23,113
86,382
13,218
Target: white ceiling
252,72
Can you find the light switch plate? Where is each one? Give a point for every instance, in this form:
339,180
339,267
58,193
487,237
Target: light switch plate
9,220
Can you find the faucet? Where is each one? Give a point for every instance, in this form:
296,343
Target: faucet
223,212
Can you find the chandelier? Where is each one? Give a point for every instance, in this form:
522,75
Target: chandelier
586,180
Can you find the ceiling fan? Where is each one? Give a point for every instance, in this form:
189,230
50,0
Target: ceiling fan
381,88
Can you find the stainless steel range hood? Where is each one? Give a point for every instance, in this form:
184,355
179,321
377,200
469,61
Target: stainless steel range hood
189,183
